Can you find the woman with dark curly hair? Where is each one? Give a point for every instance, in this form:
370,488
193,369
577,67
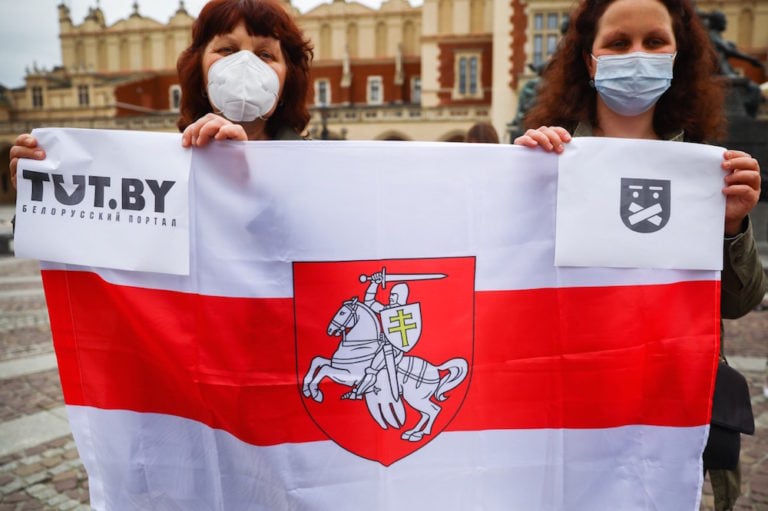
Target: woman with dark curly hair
244,77
640,69
693,103
646,69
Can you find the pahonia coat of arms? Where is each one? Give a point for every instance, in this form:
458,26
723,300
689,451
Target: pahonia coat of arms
400,350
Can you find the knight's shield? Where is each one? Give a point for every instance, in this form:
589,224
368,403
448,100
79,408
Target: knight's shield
645,203
401,325
339,341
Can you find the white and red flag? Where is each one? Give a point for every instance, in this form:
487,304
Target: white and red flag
381,326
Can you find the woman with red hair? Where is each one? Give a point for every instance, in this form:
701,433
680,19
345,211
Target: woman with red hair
245,76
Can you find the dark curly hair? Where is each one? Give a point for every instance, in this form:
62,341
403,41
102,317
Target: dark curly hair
261,17
693,103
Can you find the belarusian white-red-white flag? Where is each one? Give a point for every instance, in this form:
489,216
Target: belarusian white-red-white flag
381,326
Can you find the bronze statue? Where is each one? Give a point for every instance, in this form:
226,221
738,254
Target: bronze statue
716,22
528,93
527,96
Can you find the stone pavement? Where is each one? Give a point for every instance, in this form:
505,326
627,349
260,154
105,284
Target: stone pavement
39,464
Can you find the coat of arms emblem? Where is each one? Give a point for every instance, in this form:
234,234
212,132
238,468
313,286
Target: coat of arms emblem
645,203
392,360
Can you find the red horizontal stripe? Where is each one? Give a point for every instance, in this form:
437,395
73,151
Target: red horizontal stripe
594,357
547,358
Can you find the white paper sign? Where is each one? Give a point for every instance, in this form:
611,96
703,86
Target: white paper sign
640,203
120,200
112,199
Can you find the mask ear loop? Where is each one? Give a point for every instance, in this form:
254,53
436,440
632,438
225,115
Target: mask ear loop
213,108
279,104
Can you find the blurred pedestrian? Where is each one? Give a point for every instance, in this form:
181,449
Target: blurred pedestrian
482,132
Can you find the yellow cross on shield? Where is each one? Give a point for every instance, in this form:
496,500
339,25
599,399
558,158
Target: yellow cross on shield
402,325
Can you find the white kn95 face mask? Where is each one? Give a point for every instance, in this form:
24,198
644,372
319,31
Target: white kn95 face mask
242,86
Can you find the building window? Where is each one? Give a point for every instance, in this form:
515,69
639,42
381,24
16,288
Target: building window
174,98
553,21
409,39
37,97
477,16
326,50
552,40
538,49
546,34
322,92
746,27
416,90
375,95
352,40
468,76
445,17
381,39
83,95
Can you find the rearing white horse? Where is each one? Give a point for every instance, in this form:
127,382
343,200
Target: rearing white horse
419,380
359,329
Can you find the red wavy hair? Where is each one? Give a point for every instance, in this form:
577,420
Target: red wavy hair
693,103
263,18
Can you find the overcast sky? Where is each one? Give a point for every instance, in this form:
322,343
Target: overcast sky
29,29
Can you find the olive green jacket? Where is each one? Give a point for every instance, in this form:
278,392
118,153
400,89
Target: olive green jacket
743,281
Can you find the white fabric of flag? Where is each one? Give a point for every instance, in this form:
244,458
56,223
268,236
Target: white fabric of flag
233,387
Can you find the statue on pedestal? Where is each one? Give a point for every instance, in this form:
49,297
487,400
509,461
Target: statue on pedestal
716,23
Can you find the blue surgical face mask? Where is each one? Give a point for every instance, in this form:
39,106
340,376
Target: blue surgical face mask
631,84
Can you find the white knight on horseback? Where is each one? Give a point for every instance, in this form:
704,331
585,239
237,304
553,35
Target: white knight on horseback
371,357
386,357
